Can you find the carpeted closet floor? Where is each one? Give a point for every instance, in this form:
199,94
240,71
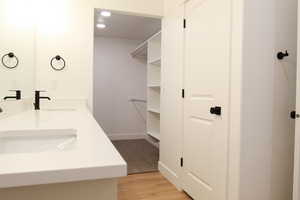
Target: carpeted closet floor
140,155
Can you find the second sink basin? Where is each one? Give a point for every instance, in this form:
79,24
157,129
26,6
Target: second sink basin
37,141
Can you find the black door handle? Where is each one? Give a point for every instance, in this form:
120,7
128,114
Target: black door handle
293,115
216,110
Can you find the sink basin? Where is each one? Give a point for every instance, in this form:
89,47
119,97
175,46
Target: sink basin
37,141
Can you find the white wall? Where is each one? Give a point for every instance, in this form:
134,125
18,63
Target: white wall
68,30
268,98
257,100
17,37
284,101
68,33
118,78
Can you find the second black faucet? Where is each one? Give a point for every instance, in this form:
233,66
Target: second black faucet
38,98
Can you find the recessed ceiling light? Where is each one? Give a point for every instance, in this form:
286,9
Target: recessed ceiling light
105,13
102,26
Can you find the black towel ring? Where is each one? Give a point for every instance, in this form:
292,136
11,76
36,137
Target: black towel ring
58,58
10,55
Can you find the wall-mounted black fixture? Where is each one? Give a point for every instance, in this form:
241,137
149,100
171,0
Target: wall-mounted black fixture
282,55
60,59
8,57
38,98
17,97
216,110
294,115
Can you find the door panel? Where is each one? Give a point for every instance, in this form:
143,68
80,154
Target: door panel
207,68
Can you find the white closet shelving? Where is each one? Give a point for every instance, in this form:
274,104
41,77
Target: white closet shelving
153,81
141,51
151,51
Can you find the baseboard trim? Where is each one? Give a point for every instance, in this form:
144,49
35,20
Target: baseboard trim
127,136
170,175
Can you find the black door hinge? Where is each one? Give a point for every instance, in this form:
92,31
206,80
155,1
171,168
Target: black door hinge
181,162
184,23
183,93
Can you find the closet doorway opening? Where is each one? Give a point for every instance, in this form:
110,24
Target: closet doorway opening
127,69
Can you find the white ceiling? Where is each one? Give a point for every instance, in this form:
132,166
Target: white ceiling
127,26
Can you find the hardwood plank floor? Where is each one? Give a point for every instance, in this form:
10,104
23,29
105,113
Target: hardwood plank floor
149,186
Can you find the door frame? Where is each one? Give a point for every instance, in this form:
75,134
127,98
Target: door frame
296,185
235,102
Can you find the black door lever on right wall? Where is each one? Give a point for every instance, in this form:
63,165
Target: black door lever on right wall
294,115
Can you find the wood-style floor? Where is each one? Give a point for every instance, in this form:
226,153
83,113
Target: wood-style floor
149,186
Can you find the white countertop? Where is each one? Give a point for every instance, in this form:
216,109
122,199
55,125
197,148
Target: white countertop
94,156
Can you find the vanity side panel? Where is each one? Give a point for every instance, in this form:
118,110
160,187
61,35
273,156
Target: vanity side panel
85,190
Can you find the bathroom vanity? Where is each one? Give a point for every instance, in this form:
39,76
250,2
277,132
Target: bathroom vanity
57,153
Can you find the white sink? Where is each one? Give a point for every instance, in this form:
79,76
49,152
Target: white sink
37,141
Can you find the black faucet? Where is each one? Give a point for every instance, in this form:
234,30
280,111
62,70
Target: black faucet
17,97
37,99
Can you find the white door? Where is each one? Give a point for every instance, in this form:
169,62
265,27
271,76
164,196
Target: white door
207,69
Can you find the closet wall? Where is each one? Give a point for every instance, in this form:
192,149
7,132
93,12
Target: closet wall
119,78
